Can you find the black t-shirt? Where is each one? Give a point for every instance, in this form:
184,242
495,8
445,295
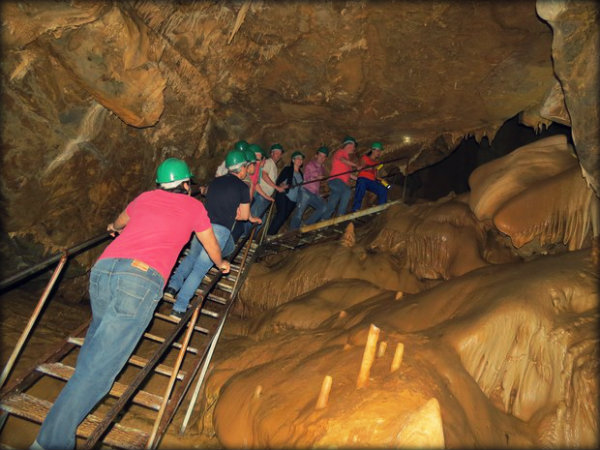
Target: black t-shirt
223,197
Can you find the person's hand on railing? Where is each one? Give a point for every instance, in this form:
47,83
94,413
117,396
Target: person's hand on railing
112,230
225,266
253,219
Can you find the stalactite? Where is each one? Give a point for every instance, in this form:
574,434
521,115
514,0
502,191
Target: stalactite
561,212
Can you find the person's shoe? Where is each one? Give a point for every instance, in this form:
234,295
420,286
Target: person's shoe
176,314
170,293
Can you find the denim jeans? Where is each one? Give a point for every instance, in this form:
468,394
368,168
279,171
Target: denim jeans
306,199
191,270
362,186
258,208
123,300
339,196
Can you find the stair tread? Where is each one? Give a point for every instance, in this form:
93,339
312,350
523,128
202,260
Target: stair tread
35,409
64,372
138,361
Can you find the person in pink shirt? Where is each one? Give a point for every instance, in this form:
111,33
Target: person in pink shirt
261,156
126,284
309,193
339,183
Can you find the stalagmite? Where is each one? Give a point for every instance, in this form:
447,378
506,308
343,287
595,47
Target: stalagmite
423,428
397,357
324,394
382,349
257,391
348,239
368,357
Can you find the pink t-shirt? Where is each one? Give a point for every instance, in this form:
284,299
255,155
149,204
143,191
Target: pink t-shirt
160,224
255,177
338,166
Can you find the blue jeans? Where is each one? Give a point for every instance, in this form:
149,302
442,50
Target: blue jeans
306,199
191,270
339,196
123,301
258,208
362,186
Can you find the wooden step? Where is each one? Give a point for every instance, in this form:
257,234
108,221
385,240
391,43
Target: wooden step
225,286
138,361
223,280
34,409
168,318
217,299
177,345
64,372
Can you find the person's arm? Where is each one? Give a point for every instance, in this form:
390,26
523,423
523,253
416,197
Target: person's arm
209,241
349,163
270,182
200,190
243,211
263,194
118,225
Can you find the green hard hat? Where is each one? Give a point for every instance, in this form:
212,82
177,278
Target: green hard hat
296,154
235,158
241,145
323,150
172,169
349,139
258,149
250,156
377,146
277,147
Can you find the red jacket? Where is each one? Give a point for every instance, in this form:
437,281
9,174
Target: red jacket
369,172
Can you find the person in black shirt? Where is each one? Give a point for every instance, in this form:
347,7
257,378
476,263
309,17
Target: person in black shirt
291,177
227,200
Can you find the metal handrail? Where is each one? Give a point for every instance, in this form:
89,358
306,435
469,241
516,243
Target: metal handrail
38,309
53,259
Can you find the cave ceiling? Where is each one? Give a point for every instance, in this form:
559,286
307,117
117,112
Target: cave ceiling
96,94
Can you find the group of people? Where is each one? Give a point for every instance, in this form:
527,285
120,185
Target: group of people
298,186
136,269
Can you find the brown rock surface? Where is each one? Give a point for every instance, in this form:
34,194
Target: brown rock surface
96,94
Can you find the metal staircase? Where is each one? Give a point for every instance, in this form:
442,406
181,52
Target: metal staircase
170,347
158,352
